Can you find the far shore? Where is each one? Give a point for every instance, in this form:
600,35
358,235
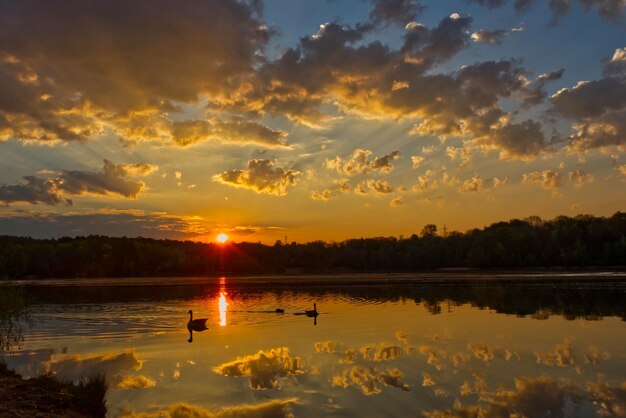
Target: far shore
446,275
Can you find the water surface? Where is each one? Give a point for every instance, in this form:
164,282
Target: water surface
381,346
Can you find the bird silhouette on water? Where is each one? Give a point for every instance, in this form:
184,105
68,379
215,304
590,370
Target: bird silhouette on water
197,325
313,312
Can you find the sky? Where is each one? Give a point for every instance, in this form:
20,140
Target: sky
307,119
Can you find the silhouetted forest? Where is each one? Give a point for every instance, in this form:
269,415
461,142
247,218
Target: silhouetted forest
580,241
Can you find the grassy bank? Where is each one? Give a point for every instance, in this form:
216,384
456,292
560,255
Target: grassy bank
49,395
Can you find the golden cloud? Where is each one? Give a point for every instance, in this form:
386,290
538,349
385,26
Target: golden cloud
263,368
262,176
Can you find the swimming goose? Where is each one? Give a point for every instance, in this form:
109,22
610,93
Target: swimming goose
196,324
312,312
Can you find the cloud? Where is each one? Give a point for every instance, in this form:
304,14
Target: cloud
481,351
65,82
115,366
262,176
580,178
34,190
463,154
276,408
616,66
417,160
324,195
612,10
493,37
598,108
135,382
594,355
428,380
425,181
116,223
235,132
610,400
397,201
341,185
379,187
326,346
263,368
381,353
113,179
520,140
434,357
360,163
137,170
87,68
547,179
374,80
477,183
399,12
472,185
368,380
563,355
532,397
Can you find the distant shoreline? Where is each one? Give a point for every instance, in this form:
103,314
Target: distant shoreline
442,276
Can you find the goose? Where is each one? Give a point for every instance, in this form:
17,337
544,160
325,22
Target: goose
312,312
196,324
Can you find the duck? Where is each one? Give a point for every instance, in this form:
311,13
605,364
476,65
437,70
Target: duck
196,324
312,312
280,310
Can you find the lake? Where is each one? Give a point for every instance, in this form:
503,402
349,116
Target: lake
381,346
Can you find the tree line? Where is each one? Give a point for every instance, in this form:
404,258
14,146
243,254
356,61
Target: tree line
580,241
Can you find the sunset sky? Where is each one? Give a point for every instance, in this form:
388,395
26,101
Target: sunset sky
311,119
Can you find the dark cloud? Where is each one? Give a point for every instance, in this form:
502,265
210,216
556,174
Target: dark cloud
116,223
589,99
34,190
612,10
88,64
399,12
113,179
543,396
88,71
598,107
520,140
262,176
103,222
238,131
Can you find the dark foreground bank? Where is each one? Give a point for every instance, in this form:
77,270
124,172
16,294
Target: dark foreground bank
48,396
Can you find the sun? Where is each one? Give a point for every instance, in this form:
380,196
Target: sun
222,238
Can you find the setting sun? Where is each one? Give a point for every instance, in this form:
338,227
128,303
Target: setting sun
222,238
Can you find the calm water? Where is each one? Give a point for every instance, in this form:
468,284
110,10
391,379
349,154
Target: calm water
406,346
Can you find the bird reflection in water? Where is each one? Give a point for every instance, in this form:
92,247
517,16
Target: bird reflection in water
197,325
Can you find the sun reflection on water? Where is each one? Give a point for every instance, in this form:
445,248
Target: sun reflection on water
222,302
